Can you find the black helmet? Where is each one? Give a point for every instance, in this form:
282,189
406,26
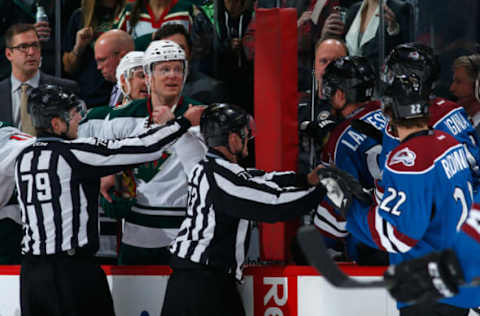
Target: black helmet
413,59
220,119
48,101
353,75
404,97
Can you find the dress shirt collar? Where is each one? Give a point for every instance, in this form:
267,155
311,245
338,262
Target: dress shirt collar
32,82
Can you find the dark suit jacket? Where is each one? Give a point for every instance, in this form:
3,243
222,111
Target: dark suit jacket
6,114
404,16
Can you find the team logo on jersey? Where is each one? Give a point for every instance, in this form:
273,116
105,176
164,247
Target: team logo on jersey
147,171
404,156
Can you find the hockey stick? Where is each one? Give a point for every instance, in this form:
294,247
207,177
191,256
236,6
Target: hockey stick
313,246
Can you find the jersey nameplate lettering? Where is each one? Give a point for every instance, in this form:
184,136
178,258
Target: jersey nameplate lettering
456,124
454,162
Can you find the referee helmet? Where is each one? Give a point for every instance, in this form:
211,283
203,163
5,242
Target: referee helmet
48,101
220,119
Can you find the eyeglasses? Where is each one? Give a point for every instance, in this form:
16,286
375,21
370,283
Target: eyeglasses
166,70
24,47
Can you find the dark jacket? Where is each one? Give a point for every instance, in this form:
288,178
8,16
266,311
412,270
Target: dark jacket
6,93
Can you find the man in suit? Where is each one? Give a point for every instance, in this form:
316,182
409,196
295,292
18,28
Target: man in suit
23,51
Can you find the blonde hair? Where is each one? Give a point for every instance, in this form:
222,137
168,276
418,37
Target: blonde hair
471,64
90,19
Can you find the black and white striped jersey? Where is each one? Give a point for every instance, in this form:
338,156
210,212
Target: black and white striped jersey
58,184
223,197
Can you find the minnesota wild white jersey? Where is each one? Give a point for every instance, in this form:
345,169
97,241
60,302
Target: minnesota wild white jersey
160,186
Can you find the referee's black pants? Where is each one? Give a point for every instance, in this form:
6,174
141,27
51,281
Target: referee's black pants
64,285
201,291
433,309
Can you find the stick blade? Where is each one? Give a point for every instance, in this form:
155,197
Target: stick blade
313,246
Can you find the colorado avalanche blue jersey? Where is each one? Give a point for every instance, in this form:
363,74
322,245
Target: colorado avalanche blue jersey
422,200
353,151
446,116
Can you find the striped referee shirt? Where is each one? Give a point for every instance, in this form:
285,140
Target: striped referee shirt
223,197
58,184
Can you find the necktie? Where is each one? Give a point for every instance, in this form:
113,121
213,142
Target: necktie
25,119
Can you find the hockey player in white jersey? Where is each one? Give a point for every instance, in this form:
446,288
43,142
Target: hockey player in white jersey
12,142
131,81
160,187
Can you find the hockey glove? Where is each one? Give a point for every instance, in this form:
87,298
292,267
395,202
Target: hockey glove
119,207
342,188
428,278
318,130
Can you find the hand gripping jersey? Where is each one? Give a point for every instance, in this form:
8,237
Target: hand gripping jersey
446,116
161,185
422,200
12,142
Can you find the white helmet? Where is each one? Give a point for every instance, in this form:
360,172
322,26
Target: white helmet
128,62
163,50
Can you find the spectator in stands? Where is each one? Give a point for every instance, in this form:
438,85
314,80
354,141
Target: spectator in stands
361,31
466,71
217,36
198,86
160,188
154,14
310,25
110,47
85,26
24,54
14,12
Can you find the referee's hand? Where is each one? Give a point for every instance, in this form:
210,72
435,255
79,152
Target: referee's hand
193,114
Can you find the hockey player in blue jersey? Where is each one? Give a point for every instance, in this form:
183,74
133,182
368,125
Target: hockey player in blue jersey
348,84
420,61
425,192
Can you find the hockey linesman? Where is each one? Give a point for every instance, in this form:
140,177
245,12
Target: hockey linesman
209,250
425,192
58,181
